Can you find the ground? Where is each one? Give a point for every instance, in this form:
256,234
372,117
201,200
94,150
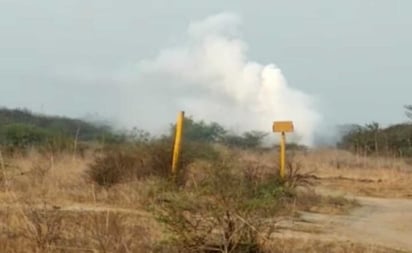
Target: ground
381,220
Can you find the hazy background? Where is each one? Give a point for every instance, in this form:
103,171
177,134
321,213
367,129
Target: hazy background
72,57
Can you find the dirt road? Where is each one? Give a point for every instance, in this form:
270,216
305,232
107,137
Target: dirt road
382,222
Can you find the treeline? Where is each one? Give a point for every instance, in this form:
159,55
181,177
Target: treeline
200,131
372,139
20,128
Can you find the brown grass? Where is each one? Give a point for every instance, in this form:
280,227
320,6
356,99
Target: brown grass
42,230
50,206
365,176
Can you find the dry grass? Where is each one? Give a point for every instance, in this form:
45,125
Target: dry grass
365,176
42,178
43,230
311,201
48,205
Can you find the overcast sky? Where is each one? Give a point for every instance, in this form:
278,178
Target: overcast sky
63,57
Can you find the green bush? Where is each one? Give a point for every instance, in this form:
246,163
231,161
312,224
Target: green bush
23,136
251,139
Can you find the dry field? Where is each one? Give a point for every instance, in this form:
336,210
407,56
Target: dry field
344,204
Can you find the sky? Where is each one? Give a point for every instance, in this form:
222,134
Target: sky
78,58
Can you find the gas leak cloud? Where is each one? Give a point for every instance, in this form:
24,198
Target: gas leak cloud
210,76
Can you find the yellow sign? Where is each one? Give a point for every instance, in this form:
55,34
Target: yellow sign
283,126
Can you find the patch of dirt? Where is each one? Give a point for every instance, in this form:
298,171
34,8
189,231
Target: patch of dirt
77,207
378,221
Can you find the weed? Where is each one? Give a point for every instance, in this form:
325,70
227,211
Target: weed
296,177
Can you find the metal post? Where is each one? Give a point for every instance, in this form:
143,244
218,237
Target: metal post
178,142
282,155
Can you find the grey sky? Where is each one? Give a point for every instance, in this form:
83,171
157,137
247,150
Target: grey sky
354,56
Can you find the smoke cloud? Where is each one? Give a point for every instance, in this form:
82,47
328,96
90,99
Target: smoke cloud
210,77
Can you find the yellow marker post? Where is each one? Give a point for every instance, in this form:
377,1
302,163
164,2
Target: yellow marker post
178,142
282,127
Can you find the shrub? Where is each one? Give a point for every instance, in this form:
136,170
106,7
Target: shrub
251,139
22,136
125,162
160,156
224,213
116,166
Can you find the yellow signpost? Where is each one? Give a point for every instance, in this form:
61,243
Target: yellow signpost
178,142
282,127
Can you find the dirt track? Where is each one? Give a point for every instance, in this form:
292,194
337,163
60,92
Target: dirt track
381,222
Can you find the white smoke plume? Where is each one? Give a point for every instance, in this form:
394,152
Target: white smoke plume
210,77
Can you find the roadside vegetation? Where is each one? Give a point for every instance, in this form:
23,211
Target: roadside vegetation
373,139
70,186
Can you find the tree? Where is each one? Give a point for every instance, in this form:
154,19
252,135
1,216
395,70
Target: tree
200,131
252,139
374,129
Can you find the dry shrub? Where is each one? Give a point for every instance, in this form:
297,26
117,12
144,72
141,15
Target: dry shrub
130,162
116,166
114,232
234,207
39,230
127,163
42,227
225,212
31,229
296,176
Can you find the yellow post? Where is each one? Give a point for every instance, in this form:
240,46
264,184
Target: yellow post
178,142
282,127
282,158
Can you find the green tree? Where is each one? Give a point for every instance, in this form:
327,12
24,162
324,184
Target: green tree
252,139
200,131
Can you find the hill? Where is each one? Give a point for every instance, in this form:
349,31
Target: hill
21,127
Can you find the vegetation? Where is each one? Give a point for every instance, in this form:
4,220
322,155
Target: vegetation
127,162
394,140
53,124
200,131
23,129
232,202
120,197
226,212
